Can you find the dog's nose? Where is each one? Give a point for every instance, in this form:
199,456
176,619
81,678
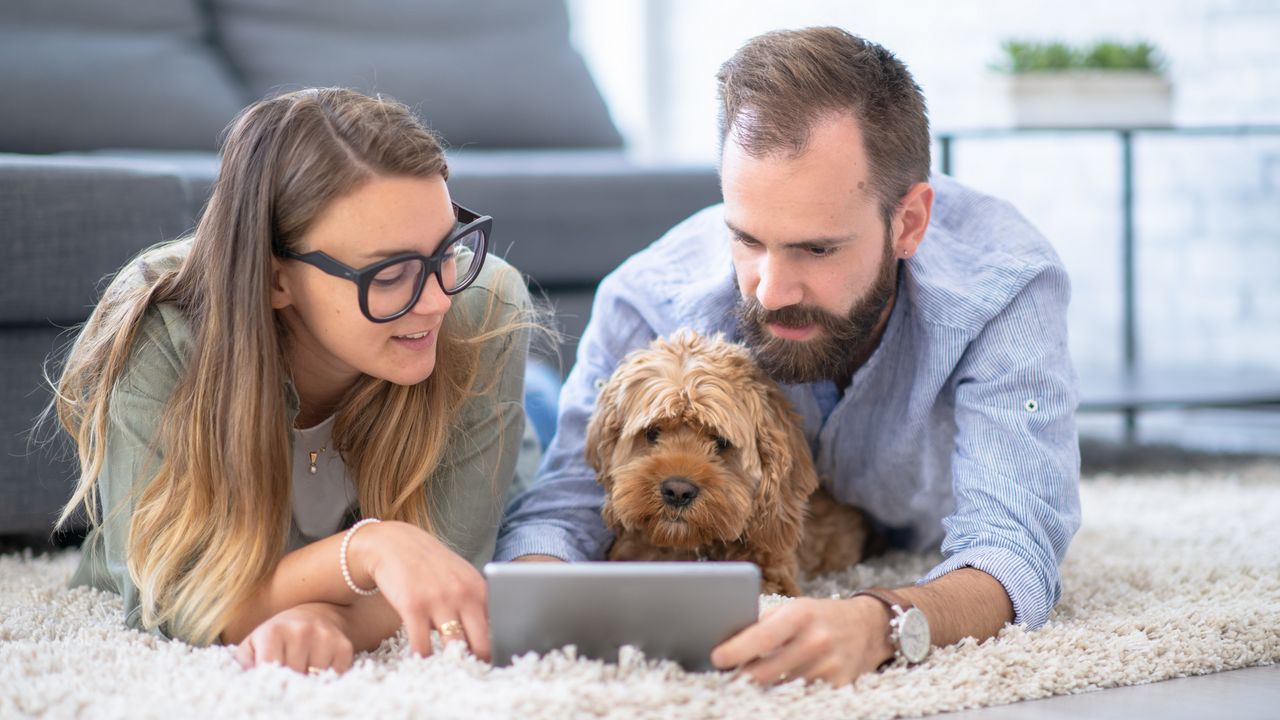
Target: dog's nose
678,492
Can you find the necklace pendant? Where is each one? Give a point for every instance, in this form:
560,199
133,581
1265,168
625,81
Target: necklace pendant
314,456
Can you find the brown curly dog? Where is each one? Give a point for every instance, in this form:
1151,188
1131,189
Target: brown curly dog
702,458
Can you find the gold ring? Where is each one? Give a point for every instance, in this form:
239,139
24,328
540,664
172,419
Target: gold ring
451,628
313,670
782,677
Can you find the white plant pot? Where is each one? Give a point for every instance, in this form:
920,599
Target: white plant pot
1091,99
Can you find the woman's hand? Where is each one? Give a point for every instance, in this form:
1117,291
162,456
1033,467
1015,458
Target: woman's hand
304,638
427,584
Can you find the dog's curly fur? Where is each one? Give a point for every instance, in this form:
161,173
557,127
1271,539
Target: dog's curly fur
695,418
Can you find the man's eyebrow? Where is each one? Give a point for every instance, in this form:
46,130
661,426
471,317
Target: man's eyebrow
818,242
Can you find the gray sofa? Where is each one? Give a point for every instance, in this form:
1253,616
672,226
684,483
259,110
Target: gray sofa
108,137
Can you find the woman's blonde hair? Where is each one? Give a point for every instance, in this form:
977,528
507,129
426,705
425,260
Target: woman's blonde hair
212,522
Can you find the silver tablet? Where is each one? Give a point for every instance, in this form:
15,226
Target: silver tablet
674,610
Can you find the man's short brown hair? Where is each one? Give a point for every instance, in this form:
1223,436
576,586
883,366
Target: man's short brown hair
780,84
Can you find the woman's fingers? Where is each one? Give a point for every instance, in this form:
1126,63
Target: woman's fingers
306,639
476,622
268,647
318,658
244,653
418,627
431,587
451,630
343,657
297,649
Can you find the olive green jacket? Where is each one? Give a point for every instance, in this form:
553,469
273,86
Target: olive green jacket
467,493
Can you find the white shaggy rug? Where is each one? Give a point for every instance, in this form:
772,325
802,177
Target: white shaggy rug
1170,576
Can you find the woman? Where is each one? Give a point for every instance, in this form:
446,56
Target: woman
331,343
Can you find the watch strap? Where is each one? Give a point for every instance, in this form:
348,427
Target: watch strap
890,599
898,608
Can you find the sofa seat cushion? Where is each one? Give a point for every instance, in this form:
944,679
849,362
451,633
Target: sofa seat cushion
71,221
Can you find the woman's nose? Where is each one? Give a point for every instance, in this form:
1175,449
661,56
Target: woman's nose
432,300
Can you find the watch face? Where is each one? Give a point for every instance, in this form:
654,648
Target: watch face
914,636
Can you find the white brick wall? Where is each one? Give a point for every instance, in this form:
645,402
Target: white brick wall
1208,209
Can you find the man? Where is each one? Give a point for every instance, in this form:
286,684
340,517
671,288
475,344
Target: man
918,327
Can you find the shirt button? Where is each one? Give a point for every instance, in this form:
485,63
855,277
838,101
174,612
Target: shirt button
599,384
1031,406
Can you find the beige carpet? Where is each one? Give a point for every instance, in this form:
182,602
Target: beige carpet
1171,575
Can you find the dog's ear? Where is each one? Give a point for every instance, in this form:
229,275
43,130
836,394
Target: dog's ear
787,477
603,430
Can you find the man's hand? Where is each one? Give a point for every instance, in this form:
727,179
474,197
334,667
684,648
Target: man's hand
831,640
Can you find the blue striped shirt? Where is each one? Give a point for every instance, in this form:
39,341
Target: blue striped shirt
958,433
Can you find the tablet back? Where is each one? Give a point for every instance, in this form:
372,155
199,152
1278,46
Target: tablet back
675,610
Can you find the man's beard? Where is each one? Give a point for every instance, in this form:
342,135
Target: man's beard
842,344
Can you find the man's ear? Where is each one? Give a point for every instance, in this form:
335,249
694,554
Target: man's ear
281,296
912,219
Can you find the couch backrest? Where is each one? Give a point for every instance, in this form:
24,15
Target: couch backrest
170,74
89,74
492,73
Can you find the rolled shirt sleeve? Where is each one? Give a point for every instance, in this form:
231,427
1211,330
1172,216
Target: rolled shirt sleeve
1016,464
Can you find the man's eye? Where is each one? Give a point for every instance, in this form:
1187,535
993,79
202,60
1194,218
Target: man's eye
820,251
744,241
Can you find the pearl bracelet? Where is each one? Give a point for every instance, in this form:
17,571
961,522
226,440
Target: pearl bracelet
342,558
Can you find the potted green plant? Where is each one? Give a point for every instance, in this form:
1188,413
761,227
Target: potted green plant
1106,84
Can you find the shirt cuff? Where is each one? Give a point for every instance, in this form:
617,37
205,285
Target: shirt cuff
1027,591
545,540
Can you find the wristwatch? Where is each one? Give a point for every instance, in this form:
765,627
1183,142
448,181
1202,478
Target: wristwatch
908,628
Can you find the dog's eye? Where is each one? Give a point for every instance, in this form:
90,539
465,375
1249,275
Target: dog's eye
722,444
652,434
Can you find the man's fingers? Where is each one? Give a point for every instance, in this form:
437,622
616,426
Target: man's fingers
795,659
770,633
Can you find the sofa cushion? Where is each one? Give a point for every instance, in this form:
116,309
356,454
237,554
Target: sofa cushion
69,222
83,74
495,74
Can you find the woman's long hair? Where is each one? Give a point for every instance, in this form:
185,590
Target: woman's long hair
212,522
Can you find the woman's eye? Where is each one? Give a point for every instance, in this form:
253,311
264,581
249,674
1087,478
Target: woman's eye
652,434
722,444
390,276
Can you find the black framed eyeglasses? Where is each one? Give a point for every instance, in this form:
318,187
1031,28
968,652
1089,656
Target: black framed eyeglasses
389,288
